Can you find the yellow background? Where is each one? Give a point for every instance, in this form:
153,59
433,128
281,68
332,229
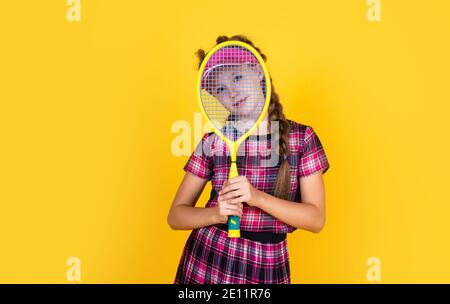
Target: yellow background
86,168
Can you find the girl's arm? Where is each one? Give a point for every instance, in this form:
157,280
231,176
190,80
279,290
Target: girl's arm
183,214
308,215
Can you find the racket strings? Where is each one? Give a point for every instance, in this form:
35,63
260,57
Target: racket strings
233,90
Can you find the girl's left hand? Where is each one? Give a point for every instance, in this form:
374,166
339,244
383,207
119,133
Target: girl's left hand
239,190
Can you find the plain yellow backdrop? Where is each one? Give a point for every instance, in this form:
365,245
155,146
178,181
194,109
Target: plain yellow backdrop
86,109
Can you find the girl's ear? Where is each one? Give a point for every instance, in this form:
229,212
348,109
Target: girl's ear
256,68
260,73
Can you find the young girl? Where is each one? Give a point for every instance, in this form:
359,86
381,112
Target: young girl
271,200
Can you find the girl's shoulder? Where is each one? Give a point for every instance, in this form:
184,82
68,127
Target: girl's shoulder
212,143
298,126
299,133
296,129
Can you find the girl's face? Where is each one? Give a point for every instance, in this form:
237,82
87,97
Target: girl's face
239,90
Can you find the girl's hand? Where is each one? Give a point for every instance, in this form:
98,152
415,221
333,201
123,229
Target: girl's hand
226,208
239,190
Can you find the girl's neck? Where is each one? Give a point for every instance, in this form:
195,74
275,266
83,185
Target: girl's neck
261,129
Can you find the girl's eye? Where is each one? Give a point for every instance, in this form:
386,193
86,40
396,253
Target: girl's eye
237,78
219,90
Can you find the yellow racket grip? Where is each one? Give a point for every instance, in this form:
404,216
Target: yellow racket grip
234,222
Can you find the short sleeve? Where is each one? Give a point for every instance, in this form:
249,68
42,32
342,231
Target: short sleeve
200,163
312,155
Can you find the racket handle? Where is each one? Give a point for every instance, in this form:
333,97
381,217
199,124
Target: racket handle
234,223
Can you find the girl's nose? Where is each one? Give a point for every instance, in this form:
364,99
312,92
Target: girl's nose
234,93
233,89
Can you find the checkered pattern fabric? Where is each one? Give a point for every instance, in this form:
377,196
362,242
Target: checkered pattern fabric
209,255
211,160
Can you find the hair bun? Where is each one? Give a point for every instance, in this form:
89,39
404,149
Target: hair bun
221,39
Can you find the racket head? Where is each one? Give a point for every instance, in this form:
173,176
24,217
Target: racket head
233,90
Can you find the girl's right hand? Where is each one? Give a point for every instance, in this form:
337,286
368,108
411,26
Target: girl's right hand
225,208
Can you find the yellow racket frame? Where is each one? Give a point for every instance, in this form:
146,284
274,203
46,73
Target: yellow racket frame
234,145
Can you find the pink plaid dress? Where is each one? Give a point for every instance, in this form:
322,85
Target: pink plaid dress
209,256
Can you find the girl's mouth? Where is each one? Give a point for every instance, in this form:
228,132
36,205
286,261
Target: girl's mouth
239,102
